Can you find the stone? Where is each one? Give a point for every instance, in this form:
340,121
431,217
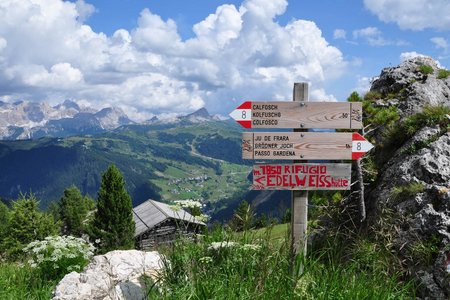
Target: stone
112,276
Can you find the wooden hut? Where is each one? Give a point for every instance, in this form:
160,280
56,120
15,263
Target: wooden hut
157,223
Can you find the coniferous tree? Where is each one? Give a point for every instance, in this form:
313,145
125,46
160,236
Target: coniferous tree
113,222
27,223
4,222
74,208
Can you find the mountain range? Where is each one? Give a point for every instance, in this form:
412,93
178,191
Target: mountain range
30,120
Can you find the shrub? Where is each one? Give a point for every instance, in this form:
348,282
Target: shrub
56,256
426,69
443,74
430,116
372,95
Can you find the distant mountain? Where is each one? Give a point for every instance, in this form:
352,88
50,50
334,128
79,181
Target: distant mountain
28,120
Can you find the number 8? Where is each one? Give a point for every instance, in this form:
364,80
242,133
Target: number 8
358,146
244,114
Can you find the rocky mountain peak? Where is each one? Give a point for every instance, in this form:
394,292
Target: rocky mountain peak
201,115
67,104
24,119
414,84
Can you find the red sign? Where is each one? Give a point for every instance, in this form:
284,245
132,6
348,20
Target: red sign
306,176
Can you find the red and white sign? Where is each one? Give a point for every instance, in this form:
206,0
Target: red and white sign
306,176
243,114
360,146
273,114
304,145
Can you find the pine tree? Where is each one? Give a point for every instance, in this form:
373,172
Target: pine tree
113,221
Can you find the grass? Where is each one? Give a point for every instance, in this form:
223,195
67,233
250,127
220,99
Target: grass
256,265
402,193
22,282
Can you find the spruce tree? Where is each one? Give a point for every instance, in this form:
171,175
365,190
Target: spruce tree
113,221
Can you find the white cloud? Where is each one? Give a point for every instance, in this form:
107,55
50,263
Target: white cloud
339,34
412,14
85,10
237,53
374,37
440,43
363,85
408,55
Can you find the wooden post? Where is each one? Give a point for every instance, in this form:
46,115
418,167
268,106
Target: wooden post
299,201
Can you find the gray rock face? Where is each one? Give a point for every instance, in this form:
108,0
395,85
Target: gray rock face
415,88
422,237
414,182
113,276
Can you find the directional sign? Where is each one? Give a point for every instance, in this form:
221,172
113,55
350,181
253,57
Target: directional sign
302,177
304,145
340,115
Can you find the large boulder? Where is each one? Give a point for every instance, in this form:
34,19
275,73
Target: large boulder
112,276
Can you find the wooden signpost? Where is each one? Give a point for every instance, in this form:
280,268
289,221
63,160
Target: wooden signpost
305,145
300,146
339,115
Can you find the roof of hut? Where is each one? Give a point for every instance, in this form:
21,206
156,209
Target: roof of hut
151,213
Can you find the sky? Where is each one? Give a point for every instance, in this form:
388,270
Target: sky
170,57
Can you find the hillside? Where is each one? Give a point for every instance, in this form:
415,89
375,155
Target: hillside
183,160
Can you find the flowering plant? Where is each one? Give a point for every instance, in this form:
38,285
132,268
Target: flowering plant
56,256
194,207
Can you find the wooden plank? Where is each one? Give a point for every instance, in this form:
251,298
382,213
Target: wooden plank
303,145
306,176
299,114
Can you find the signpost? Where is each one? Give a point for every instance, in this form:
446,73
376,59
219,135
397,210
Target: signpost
339,115
302,176
304,145
300,146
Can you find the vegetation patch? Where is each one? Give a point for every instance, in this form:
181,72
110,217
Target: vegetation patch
226,265
443,73
424,252
402,193
426,69
397,135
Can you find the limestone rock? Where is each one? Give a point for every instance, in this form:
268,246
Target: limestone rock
422,229
416,89
112,276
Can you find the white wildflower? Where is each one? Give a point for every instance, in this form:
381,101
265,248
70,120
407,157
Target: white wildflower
252,247
218,245
206,260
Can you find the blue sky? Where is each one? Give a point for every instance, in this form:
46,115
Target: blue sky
171,57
